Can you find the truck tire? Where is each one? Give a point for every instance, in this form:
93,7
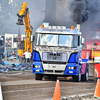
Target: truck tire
85,77
77,78
38,77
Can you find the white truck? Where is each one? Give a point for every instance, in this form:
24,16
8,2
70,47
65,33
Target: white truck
57,52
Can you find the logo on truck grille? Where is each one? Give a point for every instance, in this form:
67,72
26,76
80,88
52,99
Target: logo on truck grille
50,56
54,54
54,57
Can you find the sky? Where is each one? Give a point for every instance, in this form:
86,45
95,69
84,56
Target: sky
56,12
9,10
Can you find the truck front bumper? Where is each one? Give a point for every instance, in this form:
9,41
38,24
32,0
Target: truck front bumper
55,69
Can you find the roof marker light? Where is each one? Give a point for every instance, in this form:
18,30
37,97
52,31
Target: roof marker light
72,27
42,26
58,27
54,27
63,27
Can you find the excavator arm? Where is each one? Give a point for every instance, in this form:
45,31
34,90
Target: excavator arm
24,14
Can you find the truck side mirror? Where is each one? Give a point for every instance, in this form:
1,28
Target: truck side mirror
83,40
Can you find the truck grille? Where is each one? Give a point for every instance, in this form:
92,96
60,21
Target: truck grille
53,71
49,56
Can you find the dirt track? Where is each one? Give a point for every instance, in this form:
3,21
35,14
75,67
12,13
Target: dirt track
23,86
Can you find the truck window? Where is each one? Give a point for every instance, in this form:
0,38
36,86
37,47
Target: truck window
93,34
66,40
78,40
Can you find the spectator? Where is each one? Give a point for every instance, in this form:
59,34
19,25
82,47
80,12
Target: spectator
97,36
27,56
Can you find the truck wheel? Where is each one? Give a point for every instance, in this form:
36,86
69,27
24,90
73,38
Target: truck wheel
38,77
77,78
85,77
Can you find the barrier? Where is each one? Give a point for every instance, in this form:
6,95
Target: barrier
1,98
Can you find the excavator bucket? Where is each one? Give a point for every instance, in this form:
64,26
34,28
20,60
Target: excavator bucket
20,20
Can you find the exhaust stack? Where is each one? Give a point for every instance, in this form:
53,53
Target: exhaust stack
78,27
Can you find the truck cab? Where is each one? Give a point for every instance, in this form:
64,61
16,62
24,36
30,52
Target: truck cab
57,52
93,43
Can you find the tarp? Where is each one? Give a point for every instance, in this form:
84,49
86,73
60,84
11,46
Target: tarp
13,67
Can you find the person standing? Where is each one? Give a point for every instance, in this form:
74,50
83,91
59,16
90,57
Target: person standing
27,56
97,35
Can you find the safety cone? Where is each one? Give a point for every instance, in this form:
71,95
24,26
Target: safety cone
56,95
97,90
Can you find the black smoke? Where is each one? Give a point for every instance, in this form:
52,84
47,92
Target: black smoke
82,10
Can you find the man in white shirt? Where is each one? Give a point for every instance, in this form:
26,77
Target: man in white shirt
27,56
97,36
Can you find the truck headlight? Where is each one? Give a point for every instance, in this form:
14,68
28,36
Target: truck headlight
37,66
70,67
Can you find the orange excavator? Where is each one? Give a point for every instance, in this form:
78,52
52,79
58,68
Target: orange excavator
24,13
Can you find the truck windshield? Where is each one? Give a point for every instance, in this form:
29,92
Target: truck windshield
56,40
93,35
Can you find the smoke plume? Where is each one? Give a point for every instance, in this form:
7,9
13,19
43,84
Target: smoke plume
82,10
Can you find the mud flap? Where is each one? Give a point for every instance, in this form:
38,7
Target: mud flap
91,70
